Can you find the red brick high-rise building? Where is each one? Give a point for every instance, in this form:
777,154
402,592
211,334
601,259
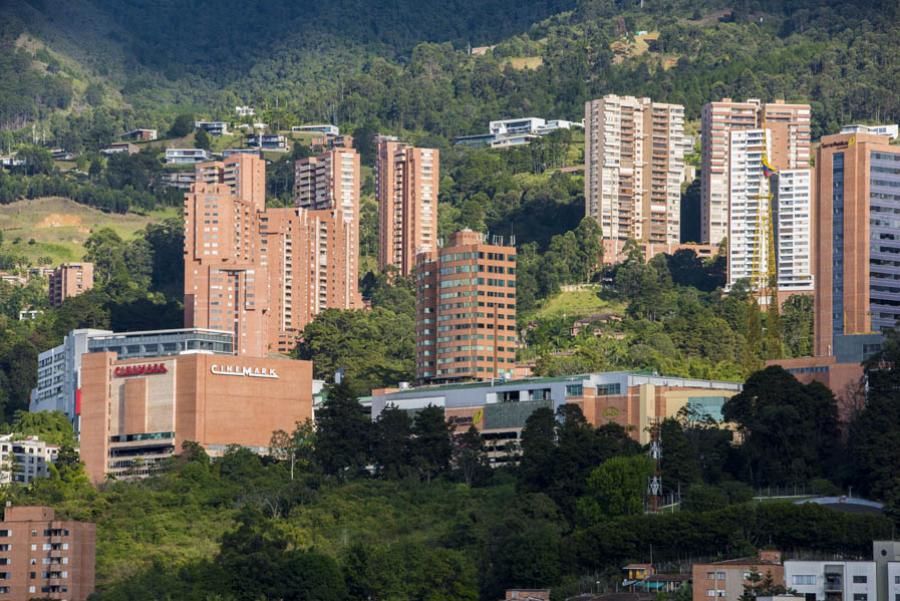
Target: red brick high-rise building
70,279
43,557
407,180
265,273
856,244
466,310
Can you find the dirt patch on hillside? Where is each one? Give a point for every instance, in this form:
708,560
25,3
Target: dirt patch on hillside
59,220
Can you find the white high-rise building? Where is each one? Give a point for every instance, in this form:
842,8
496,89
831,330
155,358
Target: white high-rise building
755,198
789,132
748,208
634,164
793,230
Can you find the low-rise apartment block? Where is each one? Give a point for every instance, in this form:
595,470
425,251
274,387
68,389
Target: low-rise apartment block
24,458
515,132
120,148
141,135
70,279
43,557
213,128
270,142
832,580
892,131
186,156
319,128
726,579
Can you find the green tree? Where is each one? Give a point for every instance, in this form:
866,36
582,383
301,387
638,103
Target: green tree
615,488
538,446
679,464
797,324
376,348
874,440
52,427
522,547
469,457
789,430
703,497
391,443
182,125
37,160
359,574
202,139
343,432
431,447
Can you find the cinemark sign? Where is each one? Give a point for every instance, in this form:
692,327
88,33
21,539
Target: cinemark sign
236,370
123,371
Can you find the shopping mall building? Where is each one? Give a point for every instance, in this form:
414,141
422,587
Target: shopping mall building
136,413
499,409
135,398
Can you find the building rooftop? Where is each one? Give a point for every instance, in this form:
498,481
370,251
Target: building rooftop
549,379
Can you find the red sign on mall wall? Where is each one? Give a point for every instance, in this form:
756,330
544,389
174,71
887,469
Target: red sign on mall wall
123,371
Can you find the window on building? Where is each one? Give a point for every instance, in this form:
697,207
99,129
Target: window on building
803,579
609,389
574,390
860,579
860,597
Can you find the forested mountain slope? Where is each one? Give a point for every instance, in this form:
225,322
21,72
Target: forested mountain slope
159,53
356,62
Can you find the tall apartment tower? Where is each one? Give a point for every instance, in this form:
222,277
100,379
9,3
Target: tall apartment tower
225,285
407,180
793,198
43,557
260,273
857,238
466,310
70,279
789,125
327,188
769,217
634,163
748,190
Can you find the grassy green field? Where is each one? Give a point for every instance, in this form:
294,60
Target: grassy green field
577,303
59,227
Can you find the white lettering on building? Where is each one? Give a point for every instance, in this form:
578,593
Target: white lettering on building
237,370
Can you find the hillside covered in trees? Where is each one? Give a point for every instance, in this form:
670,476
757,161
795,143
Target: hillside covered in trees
405,65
